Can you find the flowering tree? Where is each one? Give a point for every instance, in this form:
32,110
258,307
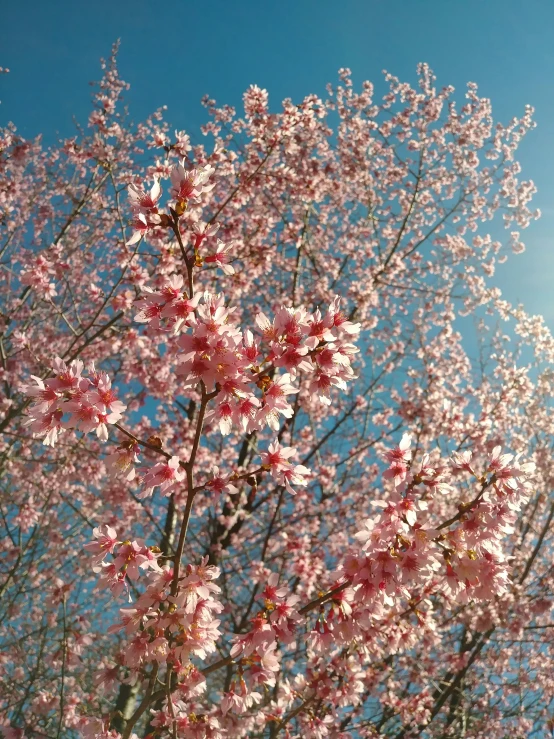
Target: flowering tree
253,482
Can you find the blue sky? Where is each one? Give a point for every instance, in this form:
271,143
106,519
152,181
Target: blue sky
292,47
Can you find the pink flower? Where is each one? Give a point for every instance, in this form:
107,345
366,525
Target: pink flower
462,461
190,184
276,461
269,330
180,310
89,401
293,476
150,313
399,458
203,231
294,359
250,349
264,665
165,475
339,321
276,402
38,275
269,662
95,728
222,416
106,541
197,587
46,397
141,225
122,460
131,556
272,592
218,484
276,457
319,330
321,384
238,703
144,206
137,650
105,399
246,413
68,378
292,322
261,635
142,201
48,425
112,578
221,258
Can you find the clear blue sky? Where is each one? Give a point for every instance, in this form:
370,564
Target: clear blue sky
173,53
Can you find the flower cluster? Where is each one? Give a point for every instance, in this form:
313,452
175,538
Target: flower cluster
300,341
128,558
276,461
145,210
217,352
165,475
123,460
404,551
187,185
71,400
96,728
276,622
38,275
165,627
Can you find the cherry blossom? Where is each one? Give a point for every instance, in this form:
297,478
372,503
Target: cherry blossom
166,475
354,530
